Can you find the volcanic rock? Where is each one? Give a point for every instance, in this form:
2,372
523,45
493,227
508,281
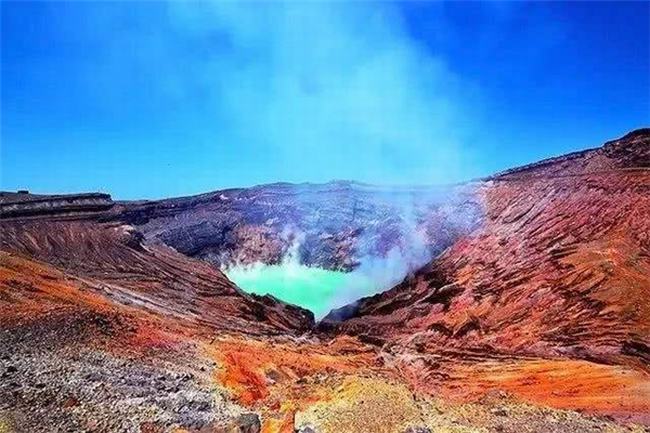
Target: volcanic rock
559,267
334,225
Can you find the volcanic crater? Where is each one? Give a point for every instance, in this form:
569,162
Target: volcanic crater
519,302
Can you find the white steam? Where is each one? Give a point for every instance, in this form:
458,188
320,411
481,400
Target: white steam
327,90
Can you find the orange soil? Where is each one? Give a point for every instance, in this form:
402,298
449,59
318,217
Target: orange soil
564,384
33,291
280,378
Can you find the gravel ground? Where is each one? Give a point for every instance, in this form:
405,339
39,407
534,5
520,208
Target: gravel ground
52,380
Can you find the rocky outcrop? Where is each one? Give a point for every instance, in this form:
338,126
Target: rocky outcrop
26,205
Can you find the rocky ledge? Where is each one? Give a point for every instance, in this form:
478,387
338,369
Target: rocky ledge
22,204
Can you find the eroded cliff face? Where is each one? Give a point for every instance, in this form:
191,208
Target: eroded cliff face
336,225
560,267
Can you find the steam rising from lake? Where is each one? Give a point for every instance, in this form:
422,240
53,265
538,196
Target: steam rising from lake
321,290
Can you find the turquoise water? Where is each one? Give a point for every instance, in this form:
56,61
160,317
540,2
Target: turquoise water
316,289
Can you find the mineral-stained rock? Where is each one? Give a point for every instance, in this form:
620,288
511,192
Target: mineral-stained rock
559,267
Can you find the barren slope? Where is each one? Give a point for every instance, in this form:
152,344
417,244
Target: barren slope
115,261
561,266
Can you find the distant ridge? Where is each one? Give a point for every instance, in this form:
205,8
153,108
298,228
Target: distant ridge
23,204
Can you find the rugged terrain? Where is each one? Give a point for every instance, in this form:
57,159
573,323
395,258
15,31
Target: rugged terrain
534,317
335,225
560,266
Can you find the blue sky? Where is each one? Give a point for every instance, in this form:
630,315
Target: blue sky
153,99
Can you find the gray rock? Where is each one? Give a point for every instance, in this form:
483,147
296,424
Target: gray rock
247,423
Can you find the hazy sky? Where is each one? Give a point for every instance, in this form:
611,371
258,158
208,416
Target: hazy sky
151,99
